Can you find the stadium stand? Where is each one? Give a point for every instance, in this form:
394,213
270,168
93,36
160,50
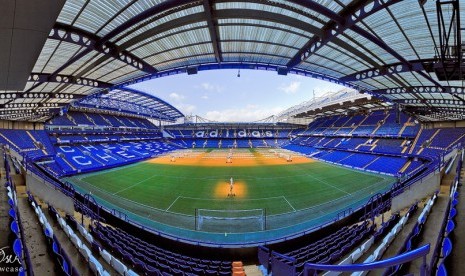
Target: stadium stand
14,236
69,106
371,142
135,253
383,150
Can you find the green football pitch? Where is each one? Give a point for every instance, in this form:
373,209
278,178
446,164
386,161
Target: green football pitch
167,192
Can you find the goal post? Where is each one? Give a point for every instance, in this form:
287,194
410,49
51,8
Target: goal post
230,221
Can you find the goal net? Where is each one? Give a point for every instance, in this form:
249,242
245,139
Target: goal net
230,221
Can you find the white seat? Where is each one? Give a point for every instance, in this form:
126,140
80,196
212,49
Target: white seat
106,256
95,268
81,230
85,251
131,272
118,266
71,232
356,254
89,238
76,241
99,266
62,223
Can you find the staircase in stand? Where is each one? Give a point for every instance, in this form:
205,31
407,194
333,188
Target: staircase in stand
412,147
90,119
405,167
71,118
374,160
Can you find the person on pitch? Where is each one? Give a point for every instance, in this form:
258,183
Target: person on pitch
231,187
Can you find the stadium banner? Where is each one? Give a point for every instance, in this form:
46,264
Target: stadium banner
200,134
256,133
242,133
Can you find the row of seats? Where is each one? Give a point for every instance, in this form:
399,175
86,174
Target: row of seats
390,165
71,226
74,118
87,137
72,159
61,259
17,242
385,233
378,123
150,259
326,251
85,251
20,263
447,236
413,238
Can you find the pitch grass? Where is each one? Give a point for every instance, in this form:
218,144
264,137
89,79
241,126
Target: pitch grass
277,188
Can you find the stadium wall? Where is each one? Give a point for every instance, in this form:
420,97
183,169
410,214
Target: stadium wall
421,189
5,124
49,193
450,124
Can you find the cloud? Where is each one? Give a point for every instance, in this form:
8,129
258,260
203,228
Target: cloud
205,97
291,88
186,108
176,97
248,114
211,87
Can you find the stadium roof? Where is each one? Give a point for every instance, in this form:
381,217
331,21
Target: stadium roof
388,48
344,101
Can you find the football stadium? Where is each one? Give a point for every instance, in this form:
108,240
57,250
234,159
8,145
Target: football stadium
100,177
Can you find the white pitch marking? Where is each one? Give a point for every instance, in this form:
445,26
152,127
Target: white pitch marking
289,203
172,204
127,188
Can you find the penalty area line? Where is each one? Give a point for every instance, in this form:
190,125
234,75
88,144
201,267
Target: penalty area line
172,204
289,203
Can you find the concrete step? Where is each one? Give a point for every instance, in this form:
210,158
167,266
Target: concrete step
252,270
42,261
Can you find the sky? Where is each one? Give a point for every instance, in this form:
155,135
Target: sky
220,95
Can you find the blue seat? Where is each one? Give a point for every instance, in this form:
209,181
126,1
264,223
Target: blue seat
65,266
55,248
66,262
446,247
450,227
47,233
454,203
442,271
11,202
150,270
15,228
18,248
408,245
452,213
12,213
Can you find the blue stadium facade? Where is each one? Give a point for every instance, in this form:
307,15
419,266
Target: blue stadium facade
66,109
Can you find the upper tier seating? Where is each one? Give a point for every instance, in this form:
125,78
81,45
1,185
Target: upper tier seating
74,118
